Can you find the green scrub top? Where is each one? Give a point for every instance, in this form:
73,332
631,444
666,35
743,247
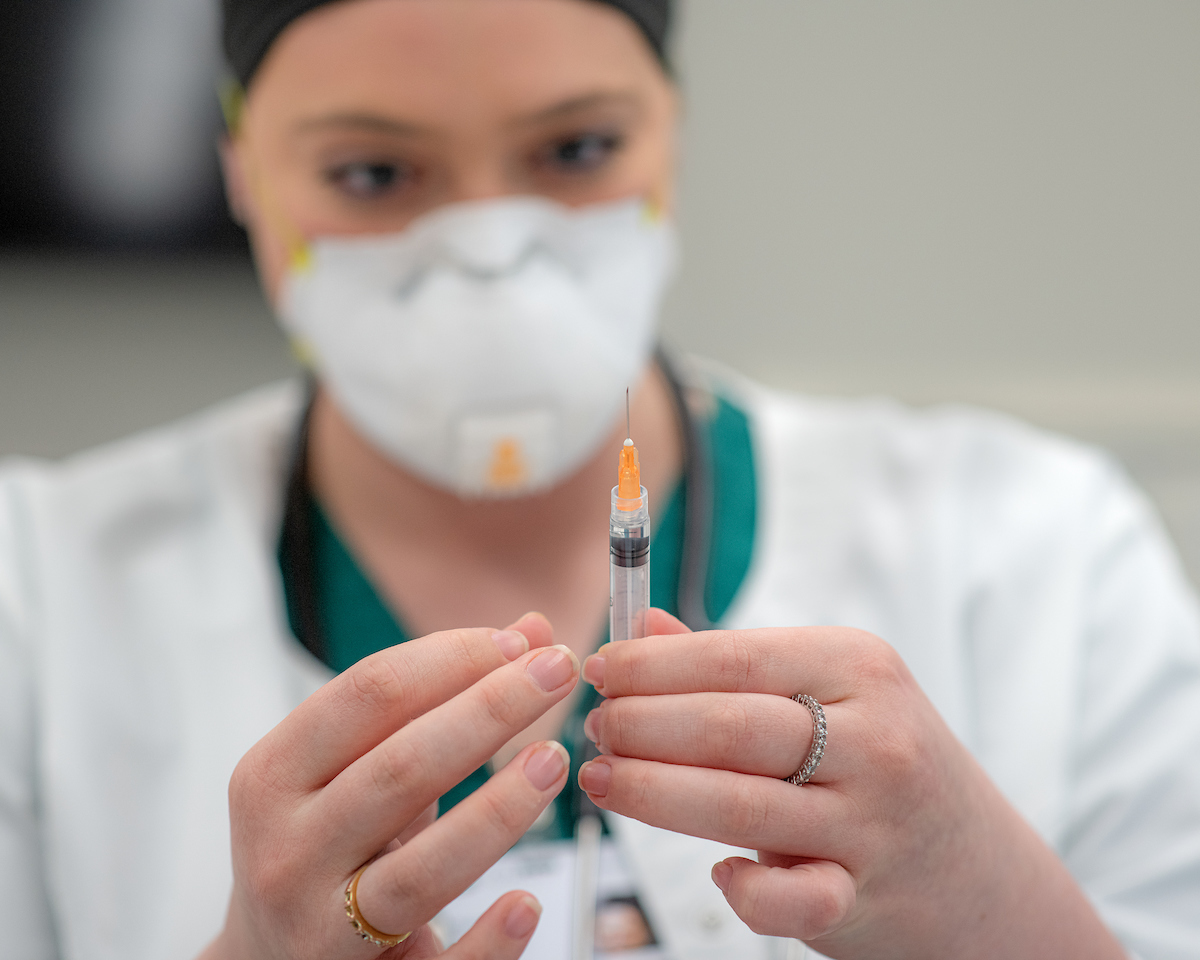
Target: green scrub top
356,622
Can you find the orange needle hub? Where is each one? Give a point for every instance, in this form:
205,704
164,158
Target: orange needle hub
629,476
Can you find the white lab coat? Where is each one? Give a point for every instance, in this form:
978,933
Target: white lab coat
144,649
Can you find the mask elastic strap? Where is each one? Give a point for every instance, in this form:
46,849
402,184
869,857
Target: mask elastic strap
654,204
299,253
233,107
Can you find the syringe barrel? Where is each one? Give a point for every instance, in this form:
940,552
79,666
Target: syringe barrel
629,566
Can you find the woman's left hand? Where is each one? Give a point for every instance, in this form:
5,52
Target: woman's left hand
899,846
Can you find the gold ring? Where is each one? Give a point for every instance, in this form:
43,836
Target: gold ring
364,929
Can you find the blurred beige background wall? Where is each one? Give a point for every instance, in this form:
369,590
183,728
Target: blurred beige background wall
996,203
1009,190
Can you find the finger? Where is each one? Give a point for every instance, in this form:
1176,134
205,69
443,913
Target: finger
365,704
536,628
660,623
378,795
819,661
803,902
754,733
503,932
756,812
406,888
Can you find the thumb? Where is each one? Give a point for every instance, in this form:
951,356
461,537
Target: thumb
659,623
802,902
536,628
502,932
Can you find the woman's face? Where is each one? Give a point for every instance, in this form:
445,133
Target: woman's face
367,113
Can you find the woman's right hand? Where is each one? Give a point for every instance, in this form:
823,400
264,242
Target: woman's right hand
355,773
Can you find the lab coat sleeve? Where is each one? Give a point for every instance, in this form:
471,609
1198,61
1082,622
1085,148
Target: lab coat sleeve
25,917
1132,827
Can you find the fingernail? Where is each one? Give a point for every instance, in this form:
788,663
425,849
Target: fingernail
550,670
591,726
511,643
722,873
523,918
594,777
546,764
593,670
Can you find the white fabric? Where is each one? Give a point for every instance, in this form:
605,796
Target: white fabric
143,649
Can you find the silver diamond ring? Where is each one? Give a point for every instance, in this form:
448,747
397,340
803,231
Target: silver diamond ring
817,751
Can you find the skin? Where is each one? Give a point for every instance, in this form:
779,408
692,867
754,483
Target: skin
364,115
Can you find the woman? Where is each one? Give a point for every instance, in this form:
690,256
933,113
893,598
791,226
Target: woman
461,211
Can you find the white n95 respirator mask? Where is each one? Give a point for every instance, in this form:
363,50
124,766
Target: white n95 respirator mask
488,346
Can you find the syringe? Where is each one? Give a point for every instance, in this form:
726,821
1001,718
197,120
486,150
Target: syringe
628,550
628,601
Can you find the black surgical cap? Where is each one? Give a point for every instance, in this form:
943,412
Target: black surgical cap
251,26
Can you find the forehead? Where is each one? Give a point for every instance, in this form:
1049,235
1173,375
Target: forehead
434,59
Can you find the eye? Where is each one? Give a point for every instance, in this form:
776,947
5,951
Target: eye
368,179
585,151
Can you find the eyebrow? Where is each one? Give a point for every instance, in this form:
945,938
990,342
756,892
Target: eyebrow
587,101
376,123
371,122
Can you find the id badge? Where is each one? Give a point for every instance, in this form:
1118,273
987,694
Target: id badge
547,870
